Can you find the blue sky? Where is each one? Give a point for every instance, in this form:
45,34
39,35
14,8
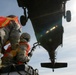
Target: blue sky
67,53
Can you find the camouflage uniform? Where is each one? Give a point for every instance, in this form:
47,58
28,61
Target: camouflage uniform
22,52
10,33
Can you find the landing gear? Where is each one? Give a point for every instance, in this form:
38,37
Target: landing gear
68,16
24,18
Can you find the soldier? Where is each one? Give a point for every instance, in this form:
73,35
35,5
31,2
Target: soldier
10,30
22,54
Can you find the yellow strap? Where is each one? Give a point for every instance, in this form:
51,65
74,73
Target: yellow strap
5,22
8,19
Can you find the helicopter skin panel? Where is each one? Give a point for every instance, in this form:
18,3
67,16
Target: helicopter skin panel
37,8
49,31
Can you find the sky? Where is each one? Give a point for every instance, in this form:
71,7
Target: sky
67,53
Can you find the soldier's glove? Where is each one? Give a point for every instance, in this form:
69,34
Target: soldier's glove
22,57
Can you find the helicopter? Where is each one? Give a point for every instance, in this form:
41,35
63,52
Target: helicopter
46,17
